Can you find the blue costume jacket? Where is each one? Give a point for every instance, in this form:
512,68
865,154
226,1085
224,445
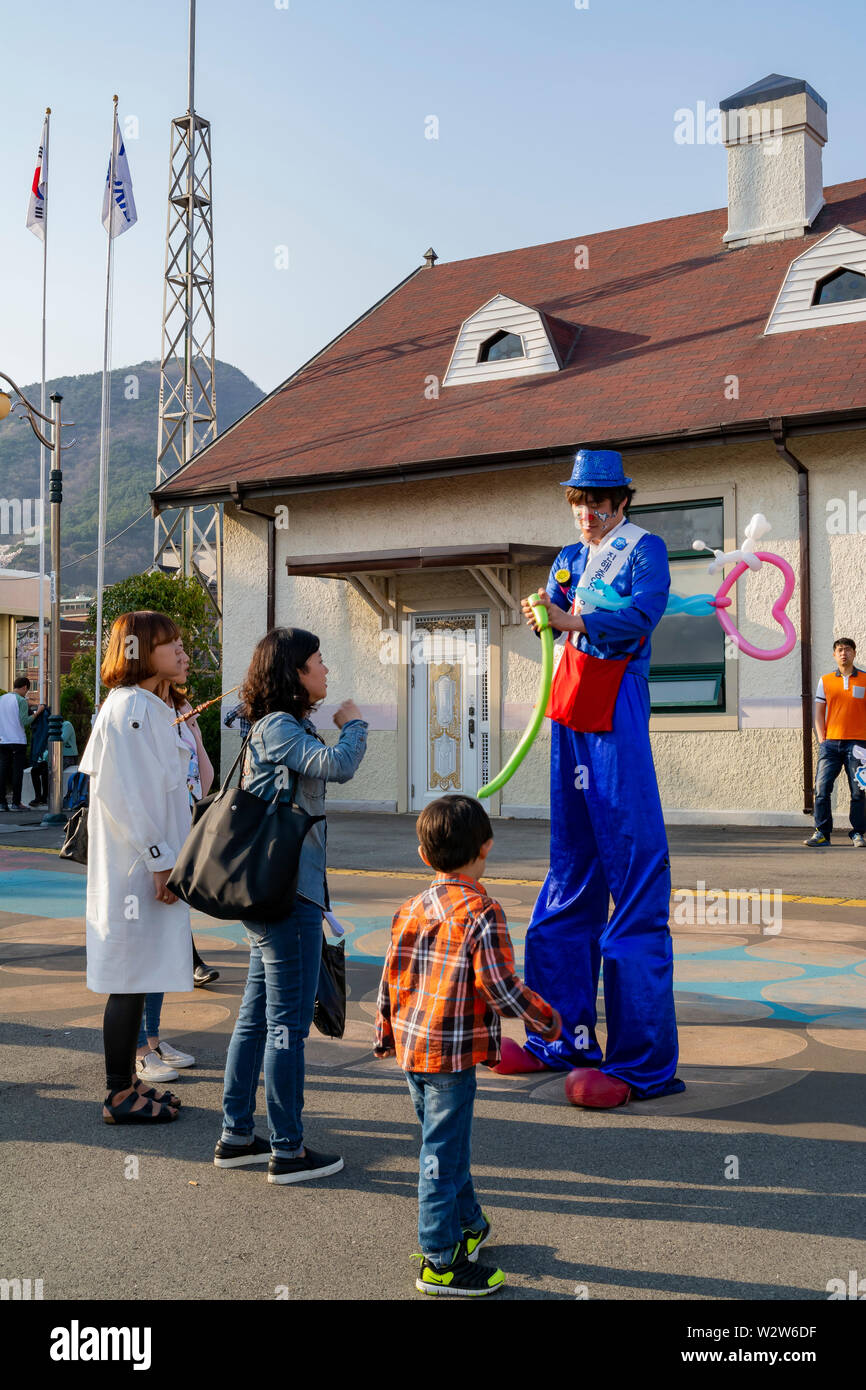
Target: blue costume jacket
645,576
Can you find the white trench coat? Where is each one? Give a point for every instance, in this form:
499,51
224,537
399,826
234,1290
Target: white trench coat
138,819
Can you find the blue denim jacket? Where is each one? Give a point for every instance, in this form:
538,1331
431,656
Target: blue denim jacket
280,740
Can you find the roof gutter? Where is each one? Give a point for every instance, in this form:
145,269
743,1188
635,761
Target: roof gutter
777,430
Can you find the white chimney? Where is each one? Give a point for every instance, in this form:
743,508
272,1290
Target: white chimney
774,132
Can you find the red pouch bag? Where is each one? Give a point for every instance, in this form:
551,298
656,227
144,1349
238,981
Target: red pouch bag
584,691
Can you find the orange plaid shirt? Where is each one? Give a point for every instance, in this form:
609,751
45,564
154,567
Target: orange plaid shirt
449,972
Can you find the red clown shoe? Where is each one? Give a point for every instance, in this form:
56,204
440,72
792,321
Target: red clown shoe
596,1090
514,1059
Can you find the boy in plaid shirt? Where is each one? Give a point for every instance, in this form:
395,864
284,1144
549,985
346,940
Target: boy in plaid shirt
449,973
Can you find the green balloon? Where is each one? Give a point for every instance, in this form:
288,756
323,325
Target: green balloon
534,724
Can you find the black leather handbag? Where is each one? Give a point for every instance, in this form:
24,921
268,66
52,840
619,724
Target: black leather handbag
75,837
241,856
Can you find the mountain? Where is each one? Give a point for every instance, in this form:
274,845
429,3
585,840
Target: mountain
131,471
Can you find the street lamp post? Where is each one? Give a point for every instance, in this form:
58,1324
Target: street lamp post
54,815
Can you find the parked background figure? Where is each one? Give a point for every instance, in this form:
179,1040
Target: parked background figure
156,1058
840,723
15,720
287,678
138,933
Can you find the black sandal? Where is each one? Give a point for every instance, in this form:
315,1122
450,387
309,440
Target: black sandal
167,1097
123,1113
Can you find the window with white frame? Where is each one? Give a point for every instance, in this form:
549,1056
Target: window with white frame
501,346
840,286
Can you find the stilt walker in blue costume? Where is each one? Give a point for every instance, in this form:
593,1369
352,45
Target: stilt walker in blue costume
607,836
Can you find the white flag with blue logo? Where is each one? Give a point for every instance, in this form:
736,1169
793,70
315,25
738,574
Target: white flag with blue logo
118,205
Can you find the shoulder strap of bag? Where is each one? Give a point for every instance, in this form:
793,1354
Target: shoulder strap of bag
240,755
231,772
295,774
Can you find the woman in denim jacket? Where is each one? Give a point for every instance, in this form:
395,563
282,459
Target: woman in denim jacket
286,680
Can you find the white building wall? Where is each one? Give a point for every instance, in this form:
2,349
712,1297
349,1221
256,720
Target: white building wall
245,603
753,771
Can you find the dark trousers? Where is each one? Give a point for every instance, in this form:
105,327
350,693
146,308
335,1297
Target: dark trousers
13,756
39,774
834,755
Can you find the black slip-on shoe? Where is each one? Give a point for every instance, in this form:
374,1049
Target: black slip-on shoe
239,1155
312,1165
203,975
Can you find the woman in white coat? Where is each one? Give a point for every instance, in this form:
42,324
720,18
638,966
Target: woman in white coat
138,933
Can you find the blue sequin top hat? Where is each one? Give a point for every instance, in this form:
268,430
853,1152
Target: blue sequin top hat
597,468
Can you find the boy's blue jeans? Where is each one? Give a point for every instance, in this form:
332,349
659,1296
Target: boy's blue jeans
273,1021
446,1198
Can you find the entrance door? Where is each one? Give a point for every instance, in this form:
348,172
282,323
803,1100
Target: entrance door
448,708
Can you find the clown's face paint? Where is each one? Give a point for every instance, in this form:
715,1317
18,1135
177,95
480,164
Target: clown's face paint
594,522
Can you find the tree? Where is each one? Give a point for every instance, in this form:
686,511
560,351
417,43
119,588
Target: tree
184,601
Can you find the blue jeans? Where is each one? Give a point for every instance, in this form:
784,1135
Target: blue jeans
274,1018
446,1198
833,755
150,1018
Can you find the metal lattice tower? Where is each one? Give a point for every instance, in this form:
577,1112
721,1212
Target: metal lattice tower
189,540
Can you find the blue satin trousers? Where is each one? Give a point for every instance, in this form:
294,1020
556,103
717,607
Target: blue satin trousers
607,841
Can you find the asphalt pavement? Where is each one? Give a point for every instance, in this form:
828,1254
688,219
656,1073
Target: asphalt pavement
768,858
748,1185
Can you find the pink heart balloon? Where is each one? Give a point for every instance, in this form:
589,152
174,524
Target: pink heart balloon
723,601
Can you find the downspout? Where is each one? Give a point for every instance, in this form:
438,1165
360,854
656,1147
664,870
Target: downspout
238,501
777,431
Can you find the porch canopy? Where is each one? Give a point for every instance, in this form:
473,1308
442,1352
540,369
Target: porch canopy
372,573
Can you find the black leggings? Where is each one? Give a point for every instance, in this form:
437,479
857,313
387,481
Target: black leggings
120,1025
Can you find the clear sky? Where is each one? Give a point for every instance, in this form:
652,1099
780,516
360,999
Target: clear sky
553,121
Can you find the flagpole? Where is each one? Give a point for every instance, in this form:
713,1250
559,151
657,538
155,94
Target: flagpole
41,672
104,419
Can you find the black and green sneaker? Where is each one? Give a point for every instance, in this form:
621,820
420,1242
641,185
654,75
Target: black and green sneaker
462,1277
474,1238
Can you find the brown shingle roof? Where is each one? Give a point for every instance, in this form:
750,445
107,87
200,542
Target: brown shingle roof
665,313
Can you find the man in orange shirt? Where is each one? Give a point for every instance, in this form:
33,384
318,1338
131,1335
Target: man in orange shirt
840,723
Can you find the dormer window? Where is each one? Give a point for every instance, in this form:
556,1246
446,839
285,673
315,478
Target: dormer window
825,286
500,346
504,338
841,285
